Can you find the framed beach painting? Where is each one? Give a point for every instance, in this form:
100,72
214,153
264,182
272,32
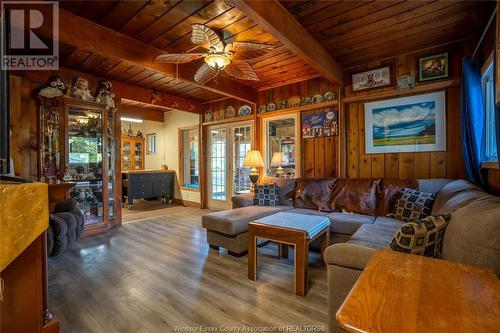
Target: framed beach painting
407,124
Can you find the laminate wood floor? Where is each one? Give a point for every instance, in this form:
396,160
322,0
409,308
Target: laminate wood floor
158,275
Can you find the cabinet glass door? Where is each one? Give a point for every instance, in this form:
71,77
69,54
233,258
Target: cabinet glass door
126,155
85,162
138,156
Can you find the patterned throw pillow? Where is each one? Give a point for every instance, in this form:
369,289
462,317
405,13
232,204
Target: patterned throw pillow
266,195
412,205
422,237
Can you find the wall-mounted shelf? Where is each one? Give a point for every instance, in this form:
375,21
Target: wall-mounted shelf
421,88
298,109
229,120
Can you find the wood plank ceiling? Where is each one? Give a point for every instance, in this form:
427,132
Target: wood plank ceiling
353,32
358,32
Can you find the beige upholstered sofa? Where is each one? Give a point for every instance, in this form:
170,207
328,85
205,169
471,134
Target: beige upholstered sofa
472,237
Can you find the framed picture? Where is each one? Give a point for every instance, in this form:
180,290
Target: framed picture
408,124
374,78
433,67
319,124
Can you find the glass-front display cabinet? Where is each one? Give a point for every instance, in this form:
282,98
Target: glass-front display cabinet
132,153
77,144
280,146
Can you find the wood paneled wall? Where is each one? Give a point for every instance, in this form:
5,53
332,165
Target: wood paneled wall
318,156
446,164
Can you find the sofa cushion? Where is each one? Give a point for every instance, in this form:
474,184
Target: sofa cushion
348,223
286,189
235,221
266,195
242,200
389,191
432,185
460,200
472,236
313,193
374,236
449,191
422,237
412,205
387,221
355,196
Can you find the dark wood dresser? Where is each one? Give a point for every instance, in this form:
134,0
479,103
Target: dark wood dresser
148,184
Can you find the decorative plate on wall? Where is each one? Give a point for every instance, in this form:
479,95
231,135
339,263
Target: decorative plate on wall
282,105
317,99
262,109
306,100
245,110
271,107
329,96
293,101
208,116
230,112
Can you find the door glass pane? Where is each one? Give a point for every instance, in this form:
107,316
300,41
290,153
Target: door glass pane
190,155
242,143
218,164
280,144
85,162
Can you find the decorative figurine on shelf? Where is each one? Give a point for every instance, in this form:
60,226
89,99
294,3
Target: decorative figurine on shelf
155,97
130,131
55,88
105,95
50,170
80,90
139,134
67,175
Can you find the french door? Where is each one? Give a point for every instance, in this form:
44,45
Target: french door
228,145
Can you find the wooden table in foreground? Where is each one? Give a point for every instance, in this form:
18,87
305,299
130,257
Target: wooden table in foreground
400,292
300,239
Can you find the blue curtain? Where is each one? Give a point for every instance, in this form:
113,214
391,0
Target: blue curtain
472,122
497,106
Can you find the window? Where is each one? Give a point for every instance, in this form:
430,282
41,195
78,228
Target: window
189,164
490,147
151,142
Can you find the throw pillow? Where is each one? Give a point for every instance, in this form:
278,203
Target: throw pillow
412,205
266,195
422,237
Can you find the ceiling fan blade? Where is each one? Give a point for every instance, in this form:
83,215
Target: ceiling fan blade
203,35
179,58
204,74
247,50
241,69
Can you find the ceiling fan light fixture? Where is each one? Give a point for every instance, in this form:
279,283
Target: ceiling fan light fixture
217,61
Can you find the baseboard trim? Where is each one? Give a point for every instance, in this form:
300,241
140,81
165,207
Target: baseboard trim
186,203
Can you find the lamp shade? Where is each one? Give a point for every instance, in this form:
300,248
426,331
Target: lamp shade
253,159
277,159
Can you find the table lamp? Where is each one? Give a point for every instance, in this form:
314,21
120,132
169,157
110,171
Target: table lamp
253,160
277,161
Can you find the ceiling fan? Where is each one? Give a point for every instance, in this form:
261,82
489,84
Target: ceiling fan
230,58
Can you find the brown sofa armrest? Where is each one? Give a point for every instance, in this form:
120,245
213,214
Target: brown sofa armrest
347,255
242,200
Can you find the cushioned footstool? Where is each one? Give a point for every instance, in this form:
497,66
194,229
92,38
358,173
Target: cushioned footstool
291,229
229,229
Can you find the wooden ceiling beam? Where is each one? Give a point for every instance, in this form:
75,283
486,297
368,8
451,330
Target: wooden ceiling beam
273,17
81,33
156,98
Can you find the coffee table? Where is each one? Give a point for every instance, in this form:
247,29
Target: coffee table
298,230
